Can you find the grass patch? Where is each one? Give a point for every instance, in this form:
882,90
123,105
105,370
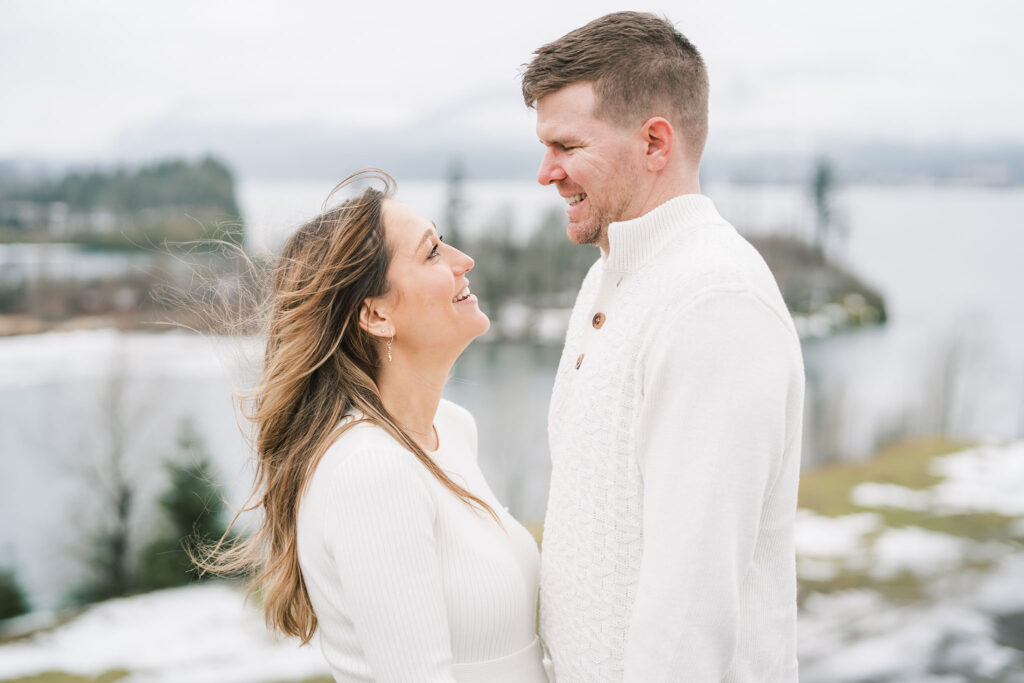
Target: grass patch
61,677
826,491
902,589
978,526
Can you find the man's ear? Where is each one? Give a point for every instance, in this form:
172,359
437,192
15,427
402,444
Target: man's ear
660,138
374,318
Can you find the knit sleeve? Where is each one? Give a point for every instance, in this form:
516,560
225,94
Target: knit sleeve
712,432
380,534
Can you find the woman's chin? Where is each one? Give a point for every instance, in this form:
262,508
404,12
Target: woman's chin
485,325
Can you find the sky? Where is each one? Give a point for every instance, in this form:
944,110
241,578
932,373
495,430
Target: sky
123,80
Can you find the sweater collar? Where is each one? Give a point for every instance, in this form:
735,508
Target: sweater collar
632,243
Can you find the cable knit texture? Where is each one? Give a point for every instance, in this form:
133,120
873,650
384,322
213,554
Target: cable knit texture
407,581
674,428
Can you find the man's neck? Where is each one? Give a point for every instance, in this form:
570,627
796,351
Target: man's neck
662,190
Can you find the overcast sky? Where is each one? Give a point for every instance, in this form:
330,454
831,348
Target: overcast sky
102,79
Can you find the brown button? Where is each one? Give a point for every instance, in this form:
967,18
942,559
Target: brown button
579,361
598,320
619,282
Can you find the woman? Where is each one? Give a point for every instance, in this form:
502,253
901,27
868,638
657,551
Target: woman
378,527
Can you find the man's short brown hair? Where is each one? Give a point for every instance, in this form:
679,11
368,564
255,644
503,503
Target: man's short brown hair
640,67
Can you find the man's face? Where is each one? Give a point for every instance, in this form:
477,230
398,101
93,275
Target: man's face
594,163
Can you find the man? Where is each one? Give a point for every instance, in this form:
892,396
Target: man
676,415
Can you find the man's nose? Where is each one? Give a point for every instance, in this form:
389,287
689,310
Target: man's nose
550,171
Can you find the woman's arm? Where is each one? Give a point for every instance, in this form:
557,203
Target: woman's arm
380,532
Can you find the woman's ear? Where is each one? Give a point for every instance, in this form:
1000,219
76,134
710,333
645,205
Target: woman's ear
374,318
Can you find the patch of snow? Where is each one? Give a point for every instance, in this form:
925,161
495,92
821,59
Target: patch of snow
196,634
819,536
875,495
1002,590
983,479
827,619
39,359
933,642
810,569
915,550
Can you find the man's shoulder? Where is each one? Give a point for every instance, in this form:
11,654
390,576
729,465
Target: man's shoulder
712,258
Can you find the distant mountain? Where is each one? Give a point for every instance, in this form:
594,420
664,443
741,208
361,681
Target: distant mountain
881,163
495,146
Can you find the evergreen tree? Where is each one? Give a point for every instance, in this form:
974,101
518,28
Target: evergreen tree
823,187
454,205
12,598
115,479
193,511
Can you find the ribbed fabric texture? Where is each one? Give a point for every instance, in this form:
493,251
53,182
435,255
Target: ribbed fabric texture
407,581
674,428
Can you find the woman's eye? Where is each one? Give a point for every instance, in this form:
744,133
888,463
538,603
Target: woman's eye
433,250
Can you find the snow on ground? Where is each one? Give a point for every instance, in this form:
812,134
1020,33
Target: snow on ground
958,632
874,495
968,625
819,536
197,634
853,636
984,479
915,550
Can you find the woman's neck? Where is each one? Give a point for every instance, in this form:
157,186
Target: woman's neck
411,392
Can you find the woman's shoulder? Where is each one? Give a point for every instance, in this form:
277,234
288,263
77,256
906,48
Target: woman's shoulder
456,423
455,414
365,453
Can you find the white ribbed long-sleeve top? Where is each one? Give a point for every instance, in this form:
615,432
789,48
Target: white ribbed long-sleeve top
407,581
675,428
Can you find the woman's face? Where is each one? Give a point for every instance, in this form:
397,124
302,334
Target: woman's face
430,305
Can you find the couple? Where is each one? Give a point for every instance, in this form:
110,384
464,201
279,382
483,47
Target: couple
674,423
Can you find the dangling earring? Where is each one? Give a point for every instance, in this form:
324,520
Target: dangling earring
389,347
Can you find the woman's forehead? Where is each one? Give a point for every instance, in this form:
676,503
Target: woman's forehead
405,228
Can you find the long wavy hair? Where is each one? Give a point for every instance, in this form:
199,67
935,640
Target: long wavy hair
320,365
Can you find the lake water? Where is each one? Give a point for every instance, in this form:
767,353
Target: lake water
949,261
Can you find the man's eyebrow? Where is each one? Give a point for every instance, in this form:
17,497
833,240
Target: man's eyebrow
560,142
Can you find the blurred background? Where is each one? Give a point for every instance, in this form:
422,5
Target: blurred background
872,151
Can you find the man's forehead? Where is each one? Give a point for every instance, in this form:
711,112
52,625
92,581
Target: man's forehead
565,113
576,99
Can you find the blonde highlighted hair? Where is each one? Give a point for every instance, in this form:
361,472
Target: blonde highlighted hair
319,366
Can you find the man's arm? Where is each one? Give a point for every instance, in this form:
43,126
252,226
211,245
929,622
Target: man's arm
712,431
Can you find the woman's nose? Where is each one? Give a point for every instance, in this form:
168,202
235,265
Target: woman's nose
463,262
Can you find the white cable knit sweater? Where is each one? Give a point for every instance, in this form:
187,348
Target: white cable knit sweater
675,442
408,582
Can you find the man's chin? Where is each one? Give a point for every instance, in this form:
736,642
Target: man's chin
583,234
